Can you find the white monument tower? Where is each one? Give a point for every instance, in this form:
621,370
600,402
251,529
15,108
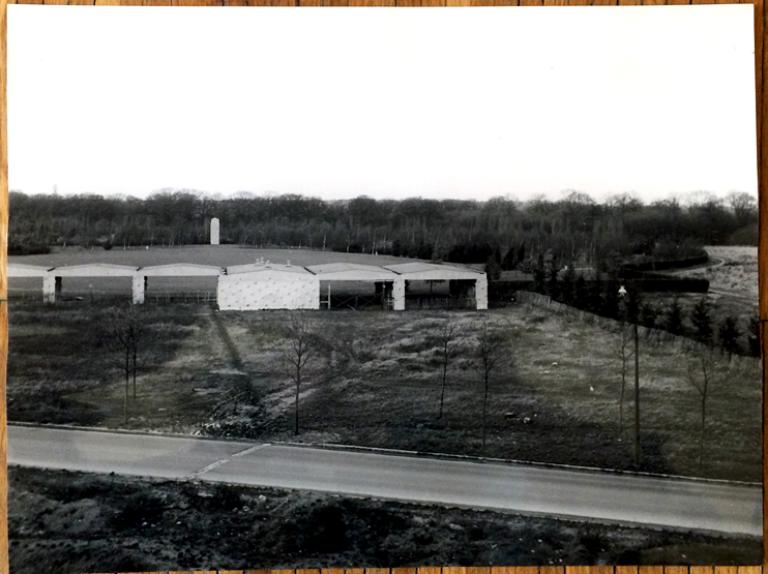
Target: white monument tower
215,231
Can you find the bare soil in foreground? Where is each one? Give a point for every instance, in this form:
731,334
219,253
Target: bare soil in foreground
63,522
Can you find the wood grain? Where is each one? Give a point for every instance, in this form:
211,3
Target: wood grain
3,291
762,162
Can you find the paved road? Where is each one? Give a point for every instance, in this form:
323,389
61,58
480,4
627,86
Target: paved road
530,489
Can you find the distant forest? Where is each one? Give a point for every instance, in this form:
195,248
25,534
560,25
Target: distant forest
573,229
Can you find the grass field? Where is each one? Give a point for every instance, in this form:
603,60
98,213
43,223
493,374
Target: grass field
732,272
74,522
375,382
733,287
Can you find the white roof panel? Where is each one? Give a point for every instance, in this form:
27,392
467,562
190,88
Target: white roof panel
433,271
181,270
24,270
352,272
94,270
266,267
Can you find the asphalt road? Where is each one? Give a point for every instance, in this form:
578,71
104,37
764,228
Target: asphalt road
665,502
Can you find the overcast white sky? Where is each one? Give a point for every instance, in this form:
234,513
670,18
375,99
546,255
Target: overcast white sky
469,103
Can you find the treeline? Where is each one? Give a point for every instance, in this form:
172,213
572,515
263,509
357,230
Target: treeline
575,228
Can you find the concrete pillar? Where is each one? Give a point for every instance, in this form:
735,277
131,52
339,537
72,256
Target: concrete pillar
215,231
139,283
398,294
481,293
50,288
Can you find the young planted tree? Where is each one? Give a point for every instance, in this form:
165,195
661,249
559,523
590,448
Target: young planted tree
128,331
729,335
446,341
701,375
491,353
297,354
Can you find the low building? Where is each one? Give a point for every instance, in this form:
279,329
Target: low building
53,281
465,283
172,271
386,283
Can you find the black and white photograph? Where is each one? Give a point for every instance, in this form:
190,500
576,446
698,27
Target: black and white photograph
393,287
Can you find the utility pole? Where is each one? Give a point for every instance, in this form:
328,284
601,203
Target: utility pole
625,304
637,396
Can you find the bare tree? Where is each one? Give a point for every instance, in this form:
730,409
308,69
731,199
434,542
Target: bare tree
446,339
701,376
744,206
128,330
491,352
300,350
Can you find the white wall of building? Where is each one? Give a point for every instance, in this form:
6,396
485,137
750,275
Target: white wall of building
268,290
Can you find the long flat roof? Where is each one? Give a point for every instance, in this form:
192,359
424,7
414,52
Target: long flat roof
339,271
352,272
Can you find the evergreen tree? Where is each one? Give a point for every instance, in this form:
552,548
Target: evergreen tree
729,335
492,269
595,300
553,285
702,321
648,315
634,304
510,260
754,336
580,293
611,299
567,285
538,275
674,322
